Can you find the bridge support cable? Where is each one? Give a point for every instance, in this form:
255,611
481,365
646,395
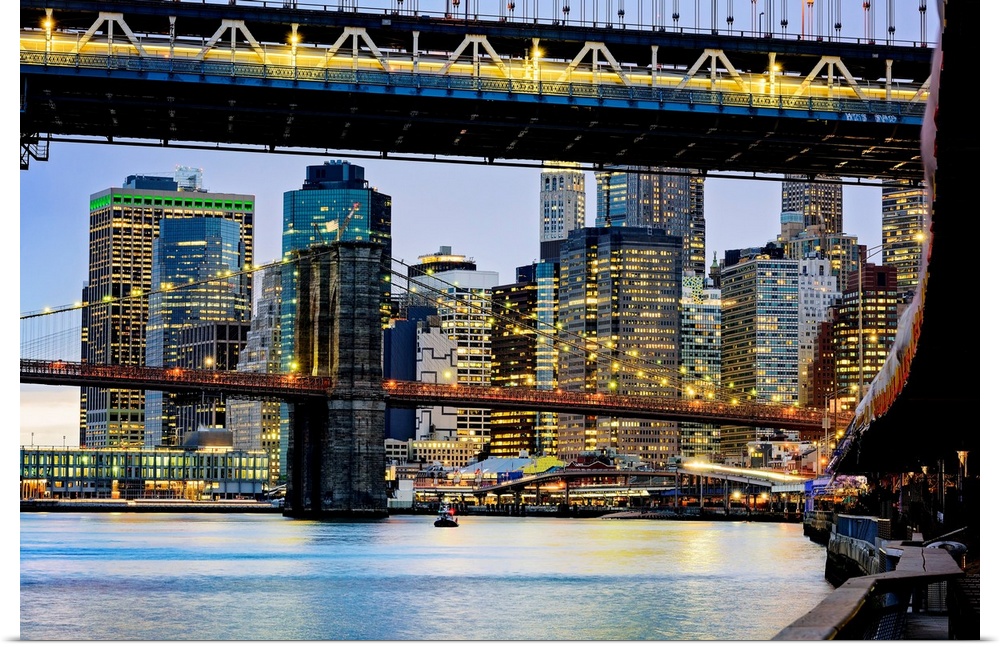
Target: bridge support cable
557,336
43,338
581,345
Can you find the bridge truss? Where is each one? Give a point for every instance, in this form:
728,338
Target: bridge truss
399,84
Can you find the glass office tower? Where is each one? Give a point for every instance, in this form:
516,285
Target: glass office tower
905,221
619,318
335,203
124,222
670,199
196,279
760,338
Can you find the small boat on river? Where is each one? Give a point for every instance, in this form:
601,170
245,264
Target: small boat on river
446,518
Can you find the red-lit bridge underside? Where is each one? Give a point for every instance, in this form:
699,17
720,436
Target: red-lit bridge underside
401,394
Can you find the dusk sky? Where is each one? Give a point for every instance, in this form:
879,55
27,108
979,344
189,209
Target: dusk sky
487,213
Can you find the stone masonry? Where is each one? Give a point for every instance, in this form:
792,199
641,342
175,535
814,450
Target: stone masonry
336,451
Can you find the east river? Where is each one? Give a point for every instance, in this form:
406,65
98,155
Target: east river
205,576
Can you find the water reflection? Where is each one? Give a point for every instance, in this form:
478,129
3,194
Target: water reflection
263,577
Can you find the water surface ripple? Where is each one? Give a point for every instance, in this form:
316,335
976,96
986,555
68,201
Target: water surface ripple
165,576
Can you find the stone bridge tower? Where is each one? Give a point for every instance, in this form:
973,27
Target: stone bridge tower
336,449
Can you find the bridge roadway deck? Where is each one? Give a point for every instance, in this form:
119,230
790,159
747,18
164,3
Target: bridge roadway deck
401,102
413,394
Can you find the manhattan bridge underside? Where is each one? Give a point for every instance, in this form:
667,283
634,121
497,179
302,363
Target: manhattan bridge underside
287,77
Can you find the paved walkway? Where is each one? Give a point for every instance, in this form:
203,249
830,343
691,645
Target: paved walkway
937,615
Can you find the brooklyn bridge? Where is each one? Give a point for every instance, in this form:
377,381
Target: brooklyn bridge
147,86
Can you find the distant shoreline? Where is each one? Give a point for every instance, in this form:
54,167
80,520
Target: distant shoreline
165,505
266,507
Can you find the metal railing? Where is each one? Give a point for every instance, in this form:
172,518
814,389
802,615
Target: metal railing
875,607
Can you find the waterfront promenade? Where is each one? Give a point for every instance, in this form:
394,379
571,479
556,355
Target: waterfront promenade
147,505
928,594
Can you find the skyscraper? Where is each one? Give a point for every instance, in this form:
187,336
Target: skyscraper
670,199
760,338
523,355
700,361
840,249
905,219
619,318
820,201
461,340
124,222
818,293
335,203
865,328
196,279
562,206
420,287
214,345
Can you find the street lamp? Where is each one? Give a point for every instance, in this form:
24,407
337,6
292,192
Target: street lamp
293,40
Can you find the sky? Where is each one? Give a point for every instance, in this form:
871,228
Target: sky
487,213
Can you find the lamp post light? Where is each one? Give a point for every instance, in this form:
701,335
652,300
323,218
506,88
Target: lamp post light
293,40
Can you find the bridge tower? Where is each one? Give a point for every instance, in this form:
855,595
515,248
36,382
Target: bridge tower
336,450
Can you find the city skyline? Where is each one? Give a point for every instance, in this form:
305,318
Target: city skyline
490,214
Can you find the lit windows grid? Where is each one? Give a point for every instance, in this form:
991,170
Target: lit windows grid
123,225
619,291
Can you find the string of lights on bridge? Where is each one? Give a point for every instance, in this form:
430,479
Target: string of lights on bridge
61,341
